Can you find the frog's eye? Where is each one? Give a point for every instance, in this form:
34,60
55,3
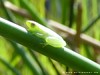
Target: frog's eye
30,24
55,42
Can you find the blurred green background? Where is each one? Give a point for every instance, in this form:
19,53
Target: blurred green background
81,16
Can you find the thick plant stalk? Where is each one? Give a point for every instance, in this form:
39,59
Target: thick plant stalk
62,55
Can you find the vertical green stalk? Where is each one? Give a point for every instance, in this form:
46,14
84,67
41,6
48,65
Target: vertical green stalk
65,6
98,6
89,10
71,17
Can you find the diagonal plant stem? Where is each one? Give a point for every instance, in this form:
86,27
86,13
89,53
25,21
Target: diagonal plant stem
91,24
7,12
21,52
62,55
44,71
35,15
9,66
16,9
54,66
